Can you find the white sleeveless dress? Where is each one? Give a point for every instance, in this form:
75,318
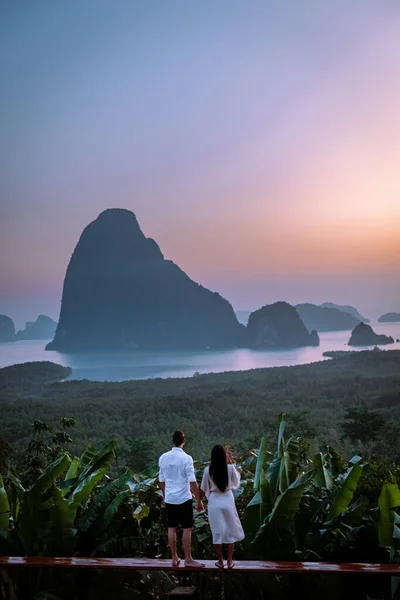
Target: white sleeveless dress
225,524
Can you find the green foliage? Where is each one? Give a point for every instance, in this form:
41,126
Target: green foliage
4,509
6,454
140,453
46,444
291,508
362,425
238,406
296,503
345,491
388,501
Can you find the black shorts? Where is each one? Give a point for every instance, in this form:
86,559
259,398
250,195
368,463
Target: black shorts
180,514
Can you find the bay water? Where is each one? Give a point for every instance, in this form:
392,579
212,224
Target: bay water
135,364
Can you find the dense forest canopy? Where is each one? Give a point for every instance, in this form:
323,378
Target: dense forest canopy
236,407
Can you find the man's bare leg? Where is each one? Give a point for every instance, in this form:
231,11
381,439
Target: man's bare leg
231,548
218,551
187,549
172,546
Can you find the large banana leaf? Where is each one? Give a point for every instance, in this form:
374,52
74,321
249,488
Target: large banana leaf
273,475
396,532
345,492
114,505
251,518
16,483
104,457
267,501
85,487
71,478
389,499
33,508
281,441
292,449
282,471
93,473
335,462
73,469
102,500
322,479
15,493
49,475
355,511
4,509
260,462
276,472
57,526
258,508
287,504
88,454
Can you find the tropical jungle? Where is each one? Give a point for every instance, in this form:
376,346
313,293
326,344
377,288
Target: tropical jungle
317,448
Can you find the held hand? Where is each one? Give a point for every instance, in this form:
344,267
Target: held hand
199,506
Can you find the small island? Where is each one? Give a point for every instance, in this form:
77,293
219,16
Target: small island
390,317
43,328
322,318
338,353
347,309
364,335
279,326
7,329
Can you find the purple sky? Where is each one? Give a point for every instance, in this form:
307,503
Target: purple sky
258,142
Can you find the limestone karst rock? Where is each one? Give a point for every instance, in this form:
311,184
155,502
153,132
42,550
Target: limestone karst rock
120,292
364,335
279,326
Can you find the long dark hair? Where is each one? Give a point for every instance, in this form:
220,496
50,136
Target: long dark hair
219,468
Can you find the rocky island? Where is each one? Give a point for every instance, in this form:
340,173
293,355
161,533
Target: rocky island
120,292
390,317
7,329
43,328
347,309
279,326
322,318
364,335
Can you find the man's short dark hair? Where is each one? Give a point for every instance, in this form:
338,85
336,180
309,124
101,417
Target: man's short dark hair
178,437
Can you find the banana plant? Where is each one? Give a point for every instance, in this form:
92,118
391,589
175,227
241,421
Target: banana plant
272,483
45,515
389,521
345,490
4,510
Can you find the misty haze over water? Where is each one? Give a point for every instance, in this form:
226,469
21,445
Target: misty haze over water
123,365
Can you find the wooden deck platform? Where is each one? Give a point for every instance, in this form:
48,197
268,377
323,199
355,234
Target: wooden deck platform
242,566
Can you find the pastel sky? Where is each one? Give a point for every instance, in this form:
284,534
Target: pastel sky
257,141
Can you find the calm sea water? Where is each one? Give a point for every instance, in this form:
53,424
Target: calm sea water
120,366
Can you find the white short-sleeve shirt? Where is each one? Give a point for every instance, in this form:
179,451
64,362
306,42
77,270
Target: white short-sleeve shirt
177,471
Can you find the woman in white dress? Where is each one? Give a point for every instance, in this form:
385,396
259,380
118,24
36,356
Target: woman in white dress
219,479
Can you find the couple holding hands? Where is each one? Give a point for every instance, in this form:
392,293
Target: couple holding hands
178,485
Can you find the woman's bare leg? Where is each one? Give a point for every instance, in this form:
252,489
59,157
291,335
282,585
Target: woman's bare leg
218,551
231,548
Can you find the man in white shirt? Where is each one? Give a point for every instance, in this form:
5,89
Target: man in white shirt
178,483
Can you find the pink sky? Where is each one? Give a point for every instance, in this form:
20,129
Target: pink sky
258,143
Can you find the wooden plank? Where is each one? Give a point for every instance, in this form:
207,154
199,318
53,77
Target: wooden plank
243,566
183,590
